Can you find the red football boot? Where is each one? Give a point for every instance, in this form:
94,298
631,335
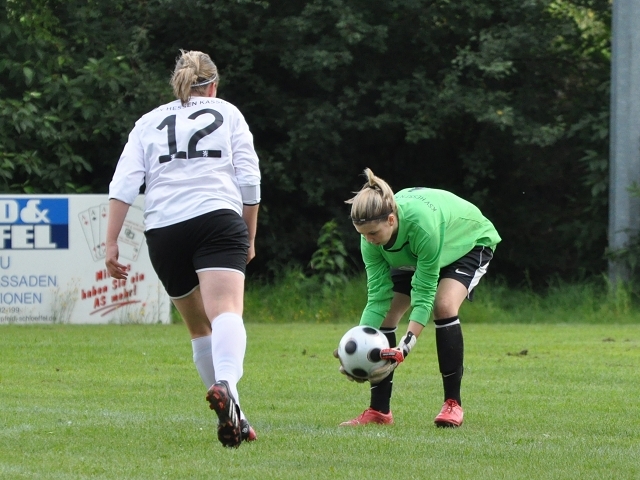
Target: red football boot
450,416
370,416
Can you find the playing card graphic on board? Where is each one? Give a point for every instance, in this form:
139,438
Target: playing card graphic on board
132,234
85,222
94,218
104,214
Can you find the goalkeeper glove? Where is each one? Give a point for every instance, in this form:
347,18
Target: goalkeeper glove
399,353
395,357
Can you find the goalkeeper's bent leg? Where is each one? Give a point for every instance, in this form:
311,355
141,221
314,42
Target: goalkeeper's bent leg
381,392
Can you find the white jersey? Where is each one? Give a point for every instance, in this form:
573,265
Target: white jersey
193,160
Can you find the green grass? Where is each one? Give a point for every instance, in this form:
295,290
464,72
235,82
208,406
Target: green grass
125,402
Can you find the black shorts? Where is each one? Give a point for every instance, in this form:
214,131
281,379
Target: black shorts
217,240
468,270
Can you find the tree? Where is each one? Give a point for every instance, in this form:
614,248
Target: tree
72,83
503,103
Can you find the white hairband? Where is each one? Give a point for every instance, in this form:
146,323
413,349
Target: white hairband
206,82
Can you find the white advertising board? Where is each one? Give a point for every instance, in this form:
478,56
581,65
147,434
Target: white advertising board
52,251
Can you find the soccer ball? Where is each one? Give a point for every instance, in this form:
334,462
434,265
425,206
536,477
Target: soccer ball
359,351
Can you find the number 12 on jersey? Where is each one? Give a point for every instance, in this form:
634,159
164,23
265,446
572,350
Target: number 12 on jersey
192,151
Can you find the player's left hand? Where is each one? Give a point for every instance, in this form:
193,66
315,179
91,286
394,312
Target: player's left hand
344,372
380,373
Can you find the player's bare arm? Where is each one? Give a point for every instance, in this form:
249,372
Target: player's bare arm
250,216
117,213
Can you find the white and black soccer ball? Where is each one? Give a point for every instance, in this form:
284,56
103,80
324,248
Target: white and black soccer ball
359,351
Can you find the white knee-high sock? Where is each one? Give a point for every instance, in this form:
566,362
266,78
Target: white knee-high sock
203,360
228,346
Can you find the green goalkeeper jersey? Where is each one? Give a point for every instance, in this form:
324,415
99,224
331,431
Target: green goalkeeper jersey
435,228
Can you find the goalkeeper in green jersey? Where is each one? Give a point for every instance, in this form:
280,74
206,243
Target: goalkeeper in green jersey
423,249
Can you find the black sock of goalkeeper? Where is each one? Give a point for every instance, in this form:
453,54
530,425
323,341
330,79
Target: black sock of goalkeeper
450,347
381,392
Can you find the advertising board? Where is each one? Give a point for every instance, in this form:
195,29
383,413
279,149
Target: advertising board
52,251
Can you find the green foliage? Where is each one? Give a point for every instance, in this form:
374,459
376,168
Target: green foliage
589,302
498,102
327,295
330,260
293,297
504,103
67,85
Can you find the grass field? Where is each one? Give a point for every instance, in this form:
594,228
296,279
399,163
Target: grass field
125,402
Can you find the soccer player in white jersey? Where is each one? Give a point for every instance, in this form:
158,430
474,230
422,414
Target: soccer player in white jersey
196,159
426,249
